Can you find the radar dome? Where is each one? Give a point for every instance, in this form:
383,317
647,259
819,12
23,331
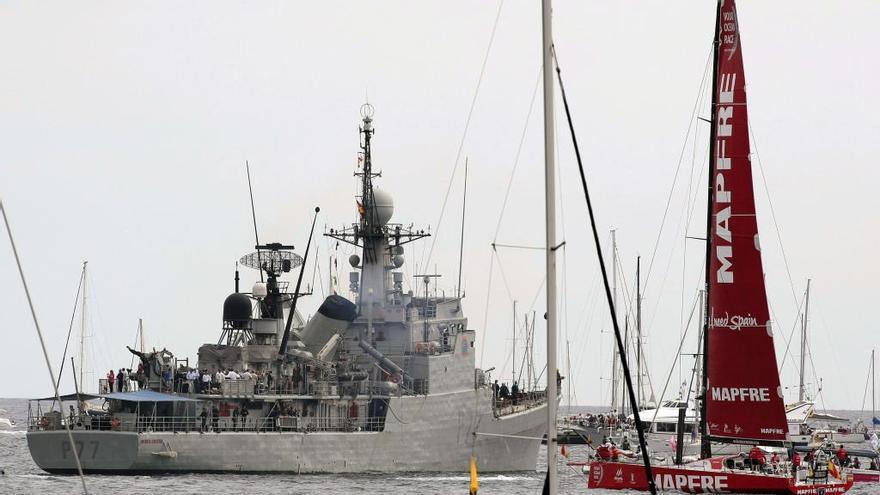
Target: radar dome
237,309
383,206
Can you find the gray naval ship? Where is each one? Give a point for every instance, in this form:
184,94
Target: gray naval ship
385,383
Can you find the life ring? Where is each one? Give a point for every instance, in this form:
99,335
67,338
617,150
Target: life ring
115,423
44,422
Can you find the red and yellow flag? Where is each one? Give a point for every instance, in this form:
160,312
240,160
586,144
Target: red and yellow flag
832,469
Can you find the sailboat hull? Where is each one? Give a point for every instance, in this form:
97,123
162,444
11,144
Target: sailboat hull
704,477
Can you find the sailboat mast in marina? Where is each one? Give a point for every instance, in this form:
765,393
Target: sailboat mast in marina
550,244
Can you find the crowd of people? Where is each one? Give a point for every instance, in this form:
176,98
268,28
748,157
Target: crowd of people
202,381
125,380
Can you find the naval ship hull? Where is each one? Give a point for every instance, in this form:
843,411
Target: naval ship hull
422,433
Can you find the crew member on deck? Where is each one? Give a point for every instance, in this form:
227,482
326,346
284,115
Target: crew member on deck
756,456
842,456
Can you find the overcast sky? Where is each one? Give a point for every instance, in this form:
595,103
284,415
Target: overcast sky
125,127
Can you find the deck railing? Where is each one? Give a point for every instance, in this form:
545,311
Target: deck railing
197,424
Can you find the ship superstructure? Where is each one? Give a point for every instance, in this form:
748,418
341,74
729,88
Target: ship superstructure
385,381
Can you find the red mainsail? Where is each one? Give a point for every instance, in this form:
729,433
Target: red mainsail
744,397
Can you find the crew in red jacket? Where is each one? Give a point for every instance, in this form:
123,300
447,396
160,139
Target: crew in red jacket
756,455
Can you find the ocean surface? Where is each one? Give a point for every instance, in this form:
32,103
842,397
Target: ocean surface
22,476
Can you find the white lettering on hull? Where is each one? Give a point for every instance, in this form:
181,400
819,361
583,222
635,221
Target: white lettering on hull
693,483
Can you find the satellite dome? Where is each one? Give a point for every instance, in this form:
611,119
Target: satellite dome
383,206
237,308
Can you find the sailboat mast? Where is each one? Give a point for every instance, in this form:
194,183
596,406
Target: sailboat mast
550,247
705,443
801,388
614,353
568,372
513,370
82,328
638,332
873,390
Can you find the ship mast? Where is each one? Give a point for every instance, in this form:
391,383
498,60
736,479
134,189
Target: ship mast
705,442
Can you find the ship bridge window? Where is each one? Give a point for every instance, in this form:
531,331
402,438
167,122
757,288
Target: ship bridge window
430,309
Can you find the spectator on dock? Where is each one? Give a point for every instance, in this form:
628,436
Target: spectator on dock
111,379
504,393
514,392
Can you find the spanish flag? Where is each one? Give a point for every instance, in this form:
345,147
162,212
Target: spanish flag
361,208
832,469
475,483
564,451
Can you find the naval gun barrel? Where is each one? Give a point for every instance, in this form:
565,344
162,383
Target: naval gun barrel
384,362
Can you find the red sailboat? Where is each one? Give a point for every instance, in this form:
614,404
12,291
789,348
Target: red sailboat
743,400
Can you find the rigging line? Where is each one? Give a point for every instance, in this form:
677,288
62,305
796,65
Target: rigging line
620,347
486,308
519,147
865,395
669,262
677,358
561,201
467,124
70,328
254,215
518,246
503,276
815,377
315,269
678,166
790,338
772,212
27,293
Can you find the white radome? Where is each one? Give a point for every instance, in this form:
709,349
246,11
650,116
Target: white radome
384,206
